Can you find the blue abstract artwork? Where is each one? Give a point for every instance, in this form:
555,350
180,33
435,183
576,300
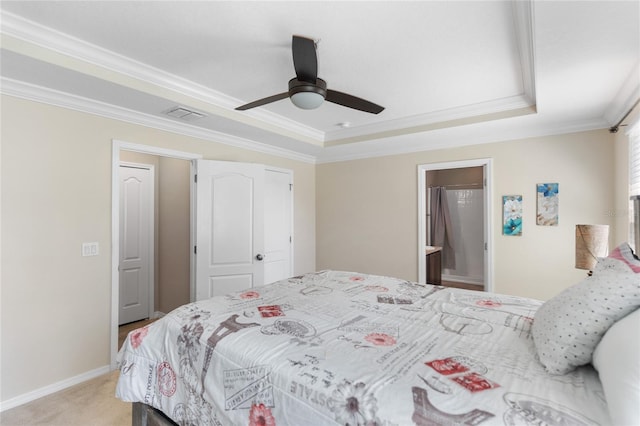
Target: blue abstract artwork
512,215
547,203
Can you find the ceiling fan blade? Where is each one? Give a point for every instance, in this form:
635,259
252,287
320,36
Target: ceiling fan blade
263,101
305,60
354,102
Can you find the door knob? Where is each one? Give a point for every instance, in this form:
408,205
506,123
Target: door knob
259,256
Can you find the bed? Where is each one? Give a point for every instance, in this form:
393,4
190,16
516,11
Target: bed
335,347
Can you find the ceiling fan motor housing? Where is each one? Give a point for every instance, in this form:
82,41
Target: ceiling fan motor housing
297,86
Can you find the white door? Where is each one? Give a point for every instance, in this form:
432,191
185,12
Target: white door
136,236
230,226
277,225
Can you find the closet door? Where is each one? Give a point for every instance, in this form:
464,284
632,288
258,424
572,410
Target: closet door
136,243
229,227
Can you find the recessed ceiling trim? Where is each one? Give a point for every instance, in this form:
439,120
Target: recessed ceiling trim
628,94
48,96
451,138
512,103
223,105
48,38
523,23
524,27
43,43
439,139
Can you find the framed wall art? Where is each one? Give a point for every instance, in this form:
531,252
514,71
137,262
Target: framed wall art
512,215
547,204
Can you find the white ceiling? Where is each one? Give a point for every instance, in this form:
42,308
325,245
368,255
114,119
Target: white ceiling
449,73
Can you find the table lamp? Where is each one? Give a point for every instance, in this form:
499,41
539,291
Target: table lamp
592,242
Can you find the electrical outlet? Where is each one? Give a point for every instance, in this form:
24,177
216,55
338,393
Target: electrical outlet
90,249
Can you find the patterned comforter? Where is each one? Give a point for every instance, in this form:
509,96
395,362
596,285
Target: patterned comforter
353,349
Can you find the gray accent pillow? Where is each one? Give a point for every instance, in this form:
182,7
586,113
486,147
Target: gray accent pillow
567,328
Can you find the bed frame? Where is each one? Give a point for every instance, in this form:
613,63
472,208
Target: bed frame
146,415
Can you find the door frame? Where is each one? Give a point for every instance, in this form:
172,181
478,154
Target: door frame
117,146
151,240
486,163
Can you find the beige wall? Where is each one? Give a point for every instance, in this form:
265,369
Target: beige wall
367,209
173,234
55,173
56,194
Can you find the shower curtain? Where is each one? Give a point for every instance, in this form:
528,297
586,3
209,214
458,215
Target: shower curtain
441,228
466,209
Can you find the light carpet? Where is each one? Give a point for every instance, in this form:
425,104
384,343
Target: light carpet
91,403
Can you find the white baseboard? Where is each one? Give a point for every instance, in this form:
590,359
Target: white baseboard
158,314
52,388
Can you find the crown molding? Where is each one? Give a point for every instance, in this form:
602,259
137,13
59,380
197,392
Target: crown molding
56,41
524,26
35,93
626,97
427,132
420,123
438,139
448,139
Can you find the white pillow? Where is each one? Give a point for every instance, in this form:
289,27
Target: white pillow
567,328
617,359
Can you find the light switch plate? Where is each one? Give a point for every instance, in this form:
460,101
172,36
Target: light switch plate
90,249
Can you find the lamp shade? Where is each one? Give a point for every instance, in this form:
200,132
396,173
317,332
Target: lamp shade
592,242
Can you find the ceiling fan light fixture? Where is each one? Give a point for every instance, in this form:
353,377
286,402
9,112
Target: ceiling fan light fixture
307,100
306,95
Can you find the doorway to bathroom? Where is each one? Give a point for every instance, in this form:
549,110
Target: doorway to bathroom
454,207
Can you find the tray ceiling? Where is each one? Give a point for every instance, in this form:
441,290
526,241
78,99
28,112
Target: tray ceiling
448,73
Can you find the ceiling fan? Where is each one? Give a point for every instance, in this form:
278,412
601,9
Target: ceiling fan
306,90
